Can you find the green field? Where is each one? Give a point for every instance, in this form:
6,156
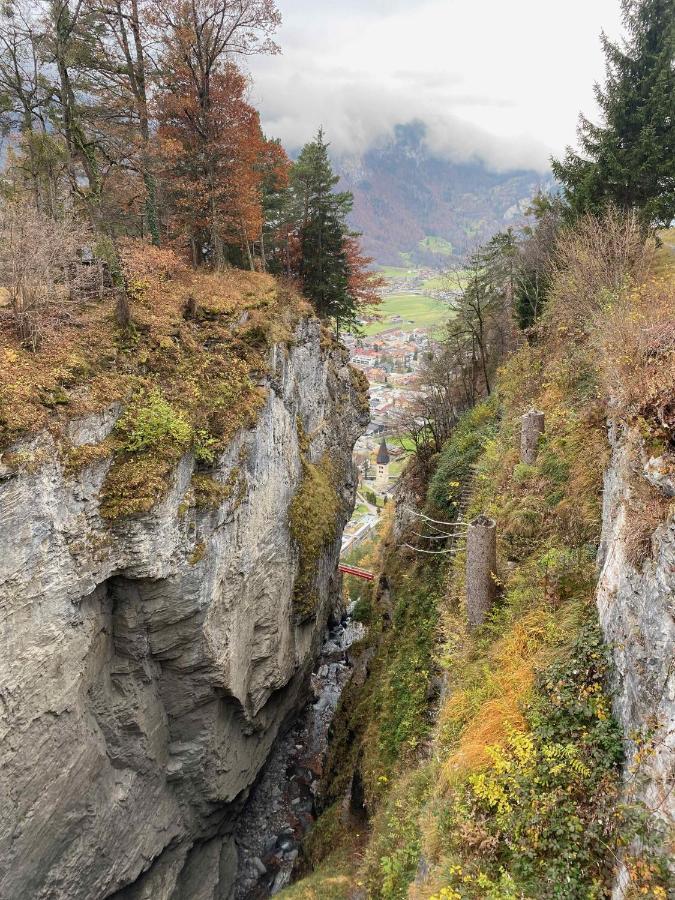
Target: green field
434,244
451,280
401,440
397,272
416,312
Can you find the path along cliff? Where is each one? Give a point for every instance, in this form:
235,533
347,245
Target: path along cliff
532,756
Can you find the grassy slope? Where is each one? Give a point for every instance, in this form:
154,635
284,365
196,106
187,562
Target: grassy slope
451,280
187,383
396,272
512,794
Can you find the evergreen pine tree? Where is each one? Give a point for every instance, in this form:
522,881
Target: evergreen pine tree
629,159
322,216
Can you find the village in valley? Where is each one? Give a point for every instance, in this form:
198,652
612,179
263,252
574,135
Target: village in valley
390,351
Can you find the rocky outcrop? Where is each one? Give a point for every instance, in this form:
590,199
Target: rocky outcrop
148,664
637,613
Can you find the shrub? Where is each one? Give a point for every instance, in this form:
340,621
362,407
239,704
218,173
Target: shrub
461,451
546,799
38,255
151,422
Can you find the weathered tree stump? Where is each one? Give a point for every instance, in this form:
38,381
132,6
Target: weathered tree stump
532,427
481,568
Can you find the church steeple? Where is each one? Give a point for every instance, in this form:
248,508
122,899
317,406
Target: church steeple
383,458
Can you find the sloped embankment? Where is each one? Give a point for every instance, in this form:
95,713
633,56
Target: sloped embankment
512,783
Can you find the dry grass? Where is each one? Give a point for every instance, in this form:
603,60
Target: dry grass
637,351
85,362
593,265
486,705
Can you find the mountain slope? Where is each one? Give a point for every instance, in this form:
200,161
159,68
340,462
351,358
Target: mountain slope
406,200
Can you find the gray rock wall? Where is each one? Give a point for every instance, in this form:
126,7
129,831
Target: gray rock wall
636,604
147,666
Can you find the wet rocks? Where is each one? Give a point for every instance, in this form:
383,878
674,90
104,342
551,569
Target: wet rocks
280,809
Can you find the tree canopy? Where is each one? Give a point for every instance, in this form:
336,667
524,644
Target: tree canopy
628,159
134,117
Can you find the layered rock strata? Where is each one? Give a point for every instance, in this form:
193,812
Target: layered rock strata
636,604
148,664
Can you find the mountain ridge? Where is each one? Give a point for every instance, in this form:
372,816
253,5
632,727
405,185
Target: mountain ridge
413,206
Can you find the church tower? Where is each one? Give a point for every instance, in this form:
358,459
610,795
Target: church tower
383,460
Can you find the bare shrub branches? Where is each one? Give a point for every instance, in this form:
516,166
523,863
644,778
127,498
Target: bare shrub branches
38,261
594,264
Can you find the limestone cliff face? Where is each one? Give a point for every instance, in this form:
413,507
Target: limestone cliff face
637,614
148,664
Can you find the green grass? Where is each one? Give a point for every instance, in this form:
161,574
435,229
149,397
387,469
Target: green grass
424,312
397,272
397,467
401,440
444,281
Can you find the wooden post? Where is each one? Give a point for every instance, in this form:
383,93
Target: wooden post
481,568
532,427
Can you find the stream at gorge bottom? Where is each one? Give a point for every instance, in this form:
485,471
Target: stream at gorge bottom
282,804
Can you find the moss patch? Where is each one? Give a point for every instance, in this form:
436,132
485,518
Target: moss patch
197,554
134,484
210,494
76,459
361,386
312,518
189,384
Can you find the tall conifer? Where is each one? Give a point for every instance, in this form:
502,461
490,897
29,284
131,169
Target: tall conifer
629,159
322,216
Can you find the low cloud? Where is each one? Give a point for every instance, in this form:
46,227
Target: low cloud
357,115
491,81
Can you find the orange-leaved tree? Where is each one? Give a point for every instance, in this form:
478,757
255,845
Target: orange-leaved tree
209,135
209,155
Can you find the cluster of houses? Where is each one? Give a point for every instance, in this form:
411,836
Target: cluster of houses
391,361
392,351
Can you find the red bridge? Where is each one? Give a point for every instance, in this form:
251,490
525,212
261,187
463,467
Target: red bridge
356,572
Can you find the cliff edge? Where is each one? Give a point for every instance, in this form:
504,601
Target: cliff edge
153,651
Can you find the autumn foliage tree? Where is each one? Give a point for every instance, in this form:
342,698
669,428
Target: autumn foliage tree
134,116
210,154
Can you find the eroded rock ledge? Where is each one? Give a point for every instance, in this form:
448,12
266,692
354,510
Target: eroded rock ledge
148,664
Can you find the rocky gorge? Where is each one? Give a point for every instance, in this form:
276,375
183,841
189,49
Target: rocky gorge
149,663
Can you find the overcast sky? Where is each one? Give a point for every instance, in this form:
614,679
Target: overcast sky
502,80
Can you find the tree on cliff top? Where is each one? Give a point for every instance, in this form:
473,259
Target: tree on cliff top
629,159
333,272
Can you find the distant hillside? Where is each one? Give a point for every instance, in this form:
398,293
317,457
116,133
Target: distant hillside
407,201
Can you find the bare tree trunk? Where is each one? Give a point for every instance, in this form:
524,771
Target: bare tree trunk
532,427
263,259
481,568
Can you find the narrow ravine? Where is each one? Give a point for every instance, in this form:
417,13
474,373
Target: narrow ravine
281,807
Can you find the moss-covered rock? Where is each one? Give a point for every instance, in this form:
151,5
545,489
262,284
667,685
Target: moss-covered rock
312,518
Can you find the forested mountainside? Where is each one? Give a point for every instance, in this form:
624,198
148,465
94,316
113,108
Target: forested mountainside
409,201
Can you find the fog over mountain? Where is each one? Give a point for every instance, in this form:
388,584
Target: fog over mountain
492,81
413,205
488,111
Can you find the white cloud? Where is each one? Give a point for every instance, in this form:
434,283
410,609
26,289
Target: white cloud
502,81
